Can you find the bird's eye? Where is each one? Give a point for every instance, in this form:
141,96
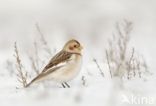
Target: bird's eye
75,46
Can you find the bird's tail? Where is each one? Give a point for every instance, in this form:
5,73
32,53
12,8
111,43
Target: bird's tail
28,84
32,81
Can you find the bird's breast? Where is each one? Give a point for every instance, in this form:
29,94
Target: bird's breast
70,70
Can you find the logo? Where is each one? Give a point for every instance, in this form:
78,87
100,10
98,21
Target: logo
137,99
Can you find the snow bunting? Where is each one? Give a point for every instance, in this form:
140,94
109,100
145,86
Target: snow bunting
64,66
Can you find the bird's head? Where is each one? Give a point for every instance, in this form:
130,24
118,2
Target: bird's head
73,46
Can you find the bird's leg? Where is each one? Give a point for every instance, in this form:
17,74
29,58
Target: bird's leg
67,84
63,85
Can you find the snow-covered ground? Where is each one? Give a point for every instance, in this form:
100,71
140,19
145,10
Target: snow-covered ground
92,22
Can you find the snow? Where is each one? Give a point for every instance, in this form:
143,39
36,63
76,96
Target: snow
92,22
97,91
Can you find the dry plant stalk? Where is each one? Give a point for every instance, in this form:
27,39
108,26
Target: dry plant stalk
98,66
43,40
33,65
35,60
21,74
120,61
129,68
107,57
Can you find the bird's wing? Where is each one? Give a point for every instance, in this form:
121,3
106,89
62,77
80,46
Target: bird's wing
61,57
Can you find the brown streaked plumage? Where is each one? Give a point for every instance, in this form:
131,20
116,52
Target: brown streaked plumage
60,57
70,55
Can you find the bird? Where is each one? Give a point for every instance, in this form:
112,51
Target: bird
64,66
